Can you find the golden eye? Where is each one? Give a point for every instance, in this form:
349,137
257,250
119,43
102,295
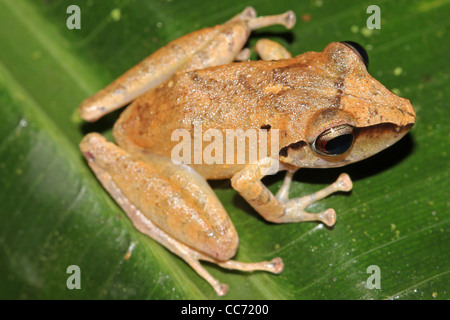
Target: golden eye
334,141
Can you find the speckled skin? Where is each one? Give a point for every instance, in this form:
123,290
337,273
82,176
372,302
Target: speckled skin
289,95
193,80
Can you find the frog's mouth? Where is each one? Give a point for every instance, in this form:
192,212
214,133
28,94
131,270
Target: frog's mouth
367,141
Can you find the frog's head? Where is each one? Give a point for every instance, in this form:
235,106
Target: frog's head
362,119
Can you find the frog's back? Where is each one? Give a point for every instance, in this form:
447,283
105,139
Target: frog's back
246,95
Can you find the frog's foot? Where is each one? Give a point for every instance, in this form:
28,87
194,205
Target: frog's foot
294,209
286,19
188,254
193,257
278,208
274,266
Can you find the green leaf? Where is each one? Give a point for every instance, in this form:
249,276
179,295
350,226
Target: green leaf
55,214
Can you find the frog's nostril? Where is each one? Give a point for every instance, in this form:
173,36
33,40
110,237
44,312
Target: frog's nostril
404,128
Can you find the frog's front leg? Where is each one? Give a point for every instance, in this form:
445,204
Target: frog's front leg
280,209
171,204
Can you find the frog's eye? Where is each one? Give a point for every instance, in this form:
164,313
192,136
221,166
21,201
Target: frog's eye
359,50
334,141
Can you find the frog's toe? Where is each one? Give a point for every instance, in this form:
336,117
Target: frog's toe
277,265
344,183
328,217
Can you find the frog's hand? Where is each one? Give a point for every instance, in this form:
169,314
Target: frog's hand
172,204
197,50
279,209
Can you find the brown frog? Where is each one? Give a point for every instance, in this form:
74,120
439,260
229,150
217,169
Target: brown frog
324,106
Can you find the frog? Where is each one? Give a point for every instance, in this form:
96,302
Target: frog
327,109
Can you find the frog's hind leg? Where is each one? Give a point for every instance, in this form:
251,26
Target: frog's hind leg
274,266
173,205
247,13
197,50
286,19
266,49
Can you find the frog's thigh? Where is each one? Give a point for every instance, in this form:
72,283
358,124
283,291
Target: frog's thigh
197,50
173,197
271,50
278,208
150,200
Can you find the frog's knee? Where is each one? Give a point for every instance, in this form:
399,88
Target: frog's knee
97,149
226,248
90,143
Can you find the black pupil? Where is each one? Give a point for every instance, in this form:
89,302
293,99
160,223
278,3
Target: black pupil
339,144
